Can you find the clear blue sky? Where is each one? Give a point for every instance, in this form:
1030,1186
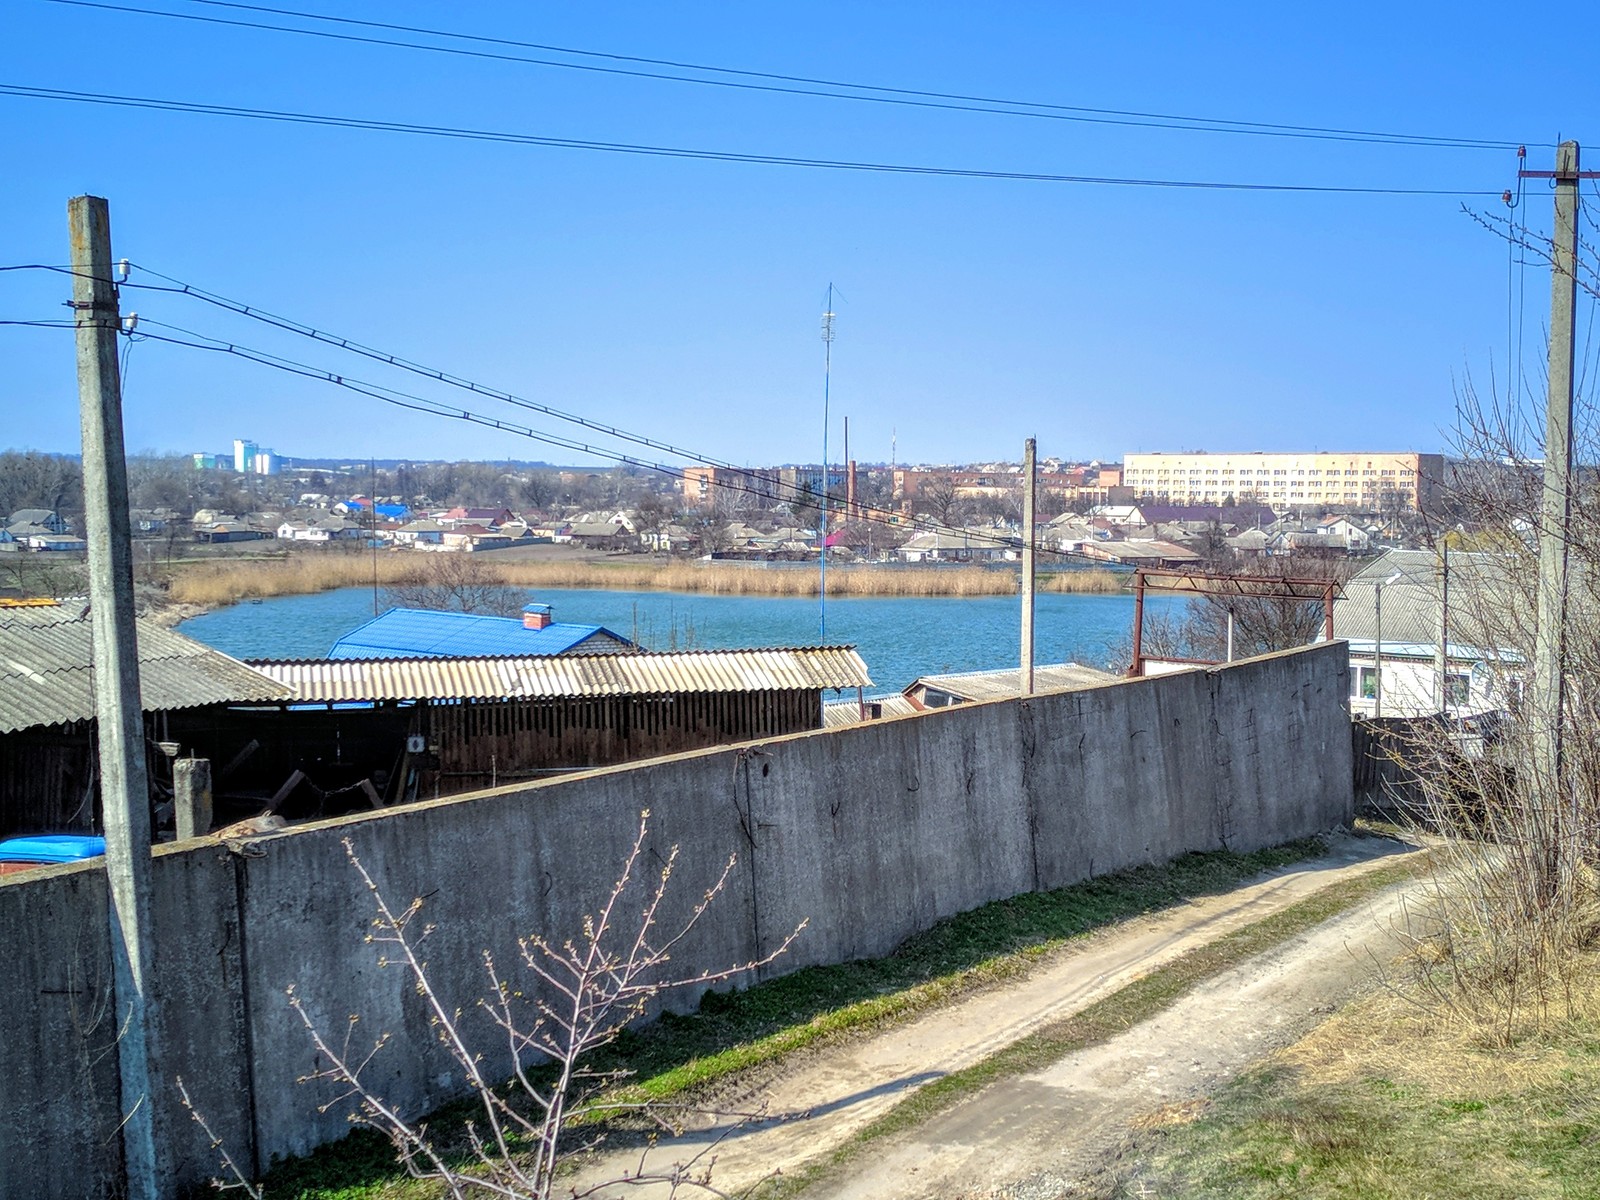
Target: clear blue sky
681,298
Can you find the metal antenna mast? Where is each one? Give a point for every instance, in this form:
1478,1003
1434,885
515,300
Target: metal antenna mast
822,556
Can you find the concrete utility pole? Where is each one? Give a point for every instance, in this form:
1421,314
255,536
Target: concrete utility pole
1555,513
124,790
1442,663
1030,481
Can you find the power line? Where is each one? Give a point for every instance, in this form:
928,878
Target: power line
528,139
433,373
795,85
426,405
768,487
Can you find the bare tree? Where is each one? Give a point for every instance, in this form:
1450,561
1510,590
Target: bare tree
457,581
562,1002
1518,895
939,499
1262,624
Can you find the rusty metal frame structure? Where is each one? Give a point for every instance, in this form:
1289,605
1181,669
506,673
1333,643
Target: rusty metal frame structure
1263,587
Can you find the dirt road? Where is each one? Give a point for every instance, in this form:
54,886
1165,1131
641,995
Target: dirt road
1055,1123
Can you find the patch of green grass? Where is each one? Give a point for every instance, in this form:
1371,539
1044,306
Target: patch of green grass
736,1031
1104,1019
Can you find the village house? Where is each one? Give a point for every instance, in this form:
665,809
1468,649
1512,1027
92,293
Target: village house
965,545
1394,615
422,532
38,518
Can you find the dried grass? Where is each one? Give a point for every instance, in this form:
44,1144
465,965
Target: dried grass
1447,1053
216,584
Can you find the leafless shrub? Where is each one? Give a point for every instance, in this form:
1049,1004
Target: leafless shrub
1516,890
562,1003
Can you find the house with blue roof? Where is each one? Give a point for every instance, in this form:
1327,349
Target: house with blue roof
426,633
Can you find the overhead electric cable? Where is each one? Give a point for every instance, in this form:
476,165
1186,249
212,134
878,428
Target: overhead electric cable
289,325
528,139
423,404
792,84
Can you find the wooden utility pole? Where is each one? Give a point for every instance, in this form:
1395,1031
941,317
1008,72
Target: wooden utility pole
1555,512
124,789
1030,480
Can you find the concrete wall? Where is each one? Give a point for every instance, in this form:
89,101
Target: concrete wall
872,833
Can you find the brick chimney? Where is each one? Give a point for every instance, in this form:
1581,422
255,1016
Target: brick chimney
537,616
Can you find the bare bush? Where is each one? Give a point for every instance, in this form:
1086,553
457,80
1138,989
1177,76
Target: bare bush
1515,893
456,581
560,1003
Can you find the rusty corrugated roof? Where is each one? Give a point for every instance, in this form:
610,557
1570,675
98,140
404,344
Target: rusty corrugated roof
47,677
334,681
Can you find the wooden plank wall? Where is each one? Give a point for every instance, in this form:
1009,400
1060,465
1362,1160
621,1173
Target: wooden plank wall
482,743
47,780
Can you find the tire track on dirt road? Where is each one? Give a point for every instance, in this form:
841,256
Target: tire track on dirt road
820,1099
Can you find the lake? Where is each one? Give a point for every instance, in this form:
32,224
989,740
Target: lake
899,637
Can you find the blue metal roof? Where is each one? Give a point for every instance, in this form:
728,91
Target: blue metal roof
423,633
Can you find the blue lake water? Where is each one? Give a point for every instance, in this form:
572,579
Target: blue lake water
899,637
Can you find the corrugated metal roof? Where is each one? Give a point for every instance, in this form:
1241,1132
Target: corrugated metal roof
46,675
1006,683
841,713
424,633
1491,601
335,681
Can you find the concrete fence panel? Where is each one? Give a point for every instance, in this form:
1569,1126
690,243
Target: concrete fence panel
873,833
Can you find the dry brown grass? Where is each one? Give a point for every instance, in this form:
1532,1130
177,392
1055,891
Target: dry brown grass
1388,1100
1446,1053
216,584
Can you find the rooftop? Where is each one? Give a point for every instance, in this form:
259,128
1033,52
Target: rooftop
1006,683
47,676
806,668
425,633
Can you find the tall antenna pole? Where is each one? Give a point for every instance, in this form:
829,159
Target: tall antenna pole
822,557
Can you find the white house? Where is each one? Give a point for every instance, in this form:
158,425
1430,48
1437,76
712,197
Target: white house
1344,531
1395,613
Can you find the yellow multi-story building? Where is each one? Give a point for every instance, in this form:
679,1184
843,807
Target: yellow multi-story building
1366,481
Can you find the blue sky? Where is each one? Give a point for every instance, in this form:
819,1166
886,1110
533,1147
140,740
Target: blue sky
681,298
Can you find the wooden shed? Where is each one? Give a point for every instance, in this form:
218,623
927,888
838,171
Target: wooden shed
477,722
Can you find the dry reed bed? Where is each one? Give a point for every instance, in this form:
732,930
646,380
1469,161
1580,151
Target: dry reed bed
216,584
